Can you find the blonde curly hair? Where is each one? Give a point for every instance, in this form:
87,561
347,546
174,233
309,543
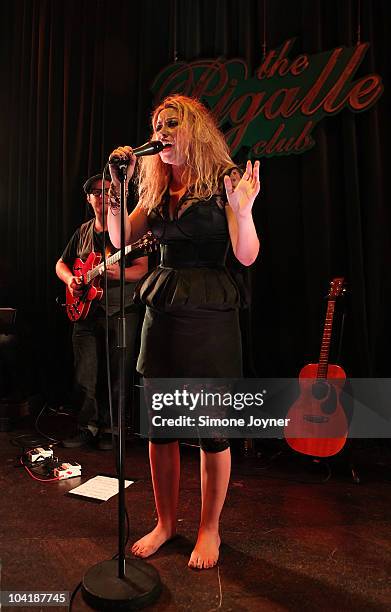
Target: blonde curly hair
206,154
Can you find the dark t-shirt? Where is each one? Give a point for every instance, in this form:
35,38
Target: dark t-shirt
86,239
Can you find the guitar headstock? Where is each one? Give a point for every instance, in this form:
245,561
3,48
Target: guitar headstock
147,243
337,287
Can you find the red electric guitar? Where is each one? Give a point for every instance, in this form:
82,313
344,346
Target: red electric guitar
318,425
91,271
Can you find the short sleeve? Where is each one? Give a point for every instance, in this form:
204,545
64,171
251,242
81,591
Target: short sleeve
70,252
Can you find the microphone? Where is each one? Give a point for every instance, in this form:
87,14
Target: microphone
149,148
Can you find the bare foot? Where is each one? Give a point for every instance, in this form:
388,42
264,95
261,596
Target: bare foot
206,550
150,543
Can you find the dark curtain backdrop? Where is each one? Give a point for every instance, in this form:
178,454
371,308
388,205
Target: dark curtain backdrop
76,79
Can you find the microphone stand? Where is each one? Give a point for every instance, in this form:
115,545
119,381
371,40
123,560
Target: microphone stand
123,584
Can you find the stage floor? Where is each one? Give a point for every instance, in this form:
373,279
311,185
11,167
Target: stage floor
295,536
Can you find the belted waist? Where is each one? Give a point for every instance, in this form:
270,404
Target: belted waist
187,254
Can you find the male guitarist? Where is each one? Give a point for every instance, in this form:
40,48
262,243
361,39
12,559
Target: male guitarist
88,337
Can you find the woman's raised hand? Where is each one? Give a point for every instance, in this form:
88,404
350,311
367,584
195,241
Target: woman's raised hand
125,154
242,197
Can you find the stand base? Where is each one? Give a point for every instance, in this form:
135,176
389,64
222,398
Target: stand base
102,589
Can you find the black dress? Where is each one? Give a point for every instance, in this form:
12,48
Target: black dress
191,326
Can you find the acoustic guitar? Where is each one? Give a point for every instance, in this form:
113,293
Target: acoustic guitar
91,271
317,421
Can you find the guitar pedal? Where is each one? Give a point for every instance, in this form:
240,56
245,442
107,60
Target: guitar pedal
35,455
67,470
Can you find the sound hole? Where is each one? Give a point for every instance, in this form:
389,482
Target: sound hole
320,390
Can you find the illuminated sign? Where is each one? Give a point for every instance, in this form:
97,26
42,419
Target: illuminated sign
274,112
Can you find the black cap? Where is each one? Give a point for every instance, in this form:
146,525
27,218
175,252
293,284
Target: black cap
87,187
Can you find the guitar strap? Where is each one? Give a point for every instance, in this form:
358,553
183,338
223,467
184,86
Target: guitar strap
86,240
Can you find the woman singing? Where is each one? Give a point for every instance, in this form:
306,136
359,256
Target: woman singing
191,327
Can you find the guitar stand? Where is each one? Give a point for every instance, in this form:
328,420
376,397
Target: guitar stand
349,459
348,448
285,454
348,462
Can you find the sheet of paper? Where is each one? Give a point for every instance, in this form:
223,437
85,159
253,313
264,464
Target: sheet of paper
99,487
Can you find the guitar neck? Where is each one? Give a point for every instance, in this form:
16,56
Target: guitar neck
326,340
109,261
